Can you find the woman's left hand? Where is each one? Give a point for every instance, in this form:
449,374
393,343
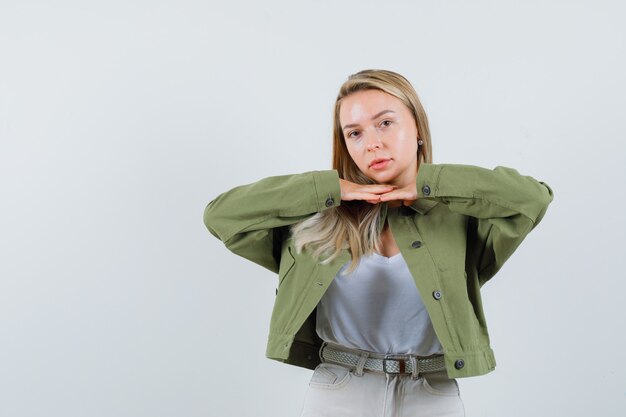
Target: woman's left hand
407,194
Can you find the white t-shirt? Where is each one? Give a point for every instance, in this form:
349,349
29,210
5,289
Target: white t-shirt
377,308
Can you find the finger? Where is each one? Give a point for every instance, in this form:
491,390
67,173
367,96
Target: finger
397,195
369,197
376,188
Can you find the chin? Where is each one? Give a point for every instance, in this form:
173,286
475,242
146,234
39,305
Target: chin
383,177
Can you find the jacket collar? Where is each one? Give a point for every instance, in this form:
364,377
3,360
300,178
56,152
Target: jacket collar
421,206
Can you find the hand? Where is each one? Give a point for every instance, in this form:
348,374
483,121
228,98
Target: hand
369,192
407,194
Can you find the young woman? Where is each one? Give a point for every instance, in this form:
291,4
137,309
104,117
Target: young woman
380,259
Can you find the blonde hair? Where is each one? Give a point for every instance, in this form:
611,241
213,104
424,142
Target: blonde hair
355,225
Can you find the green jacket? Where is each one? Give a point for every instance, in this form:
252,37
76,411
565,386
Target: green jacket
466,222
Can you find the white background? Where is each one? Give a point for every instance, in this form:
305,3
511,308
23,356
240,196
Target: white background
121,120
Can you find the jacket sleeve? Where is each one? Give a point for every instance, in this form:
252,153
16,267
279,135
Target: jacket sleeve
504,206
249,219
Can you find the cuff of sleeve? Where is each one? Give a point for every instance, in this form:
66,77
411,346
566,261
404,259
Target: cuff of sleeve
427,180
327,189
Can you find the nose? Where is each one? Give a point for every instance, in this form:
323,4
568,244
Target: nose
373,139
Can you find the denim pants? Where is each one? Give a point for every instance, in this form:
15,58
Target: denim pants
338,391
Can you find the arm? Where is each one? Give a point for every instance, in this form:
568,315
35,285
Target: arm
249,219
505,206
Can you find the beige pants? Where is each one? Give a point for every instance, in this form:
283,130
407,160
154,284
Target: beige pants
336,391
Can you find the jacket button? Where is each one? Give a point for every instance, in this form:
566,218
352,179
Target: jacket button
330,202
437,295
416,244
426,190
459,363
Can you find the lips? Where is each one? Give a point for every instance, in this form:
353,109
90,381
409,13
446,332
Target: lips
378,160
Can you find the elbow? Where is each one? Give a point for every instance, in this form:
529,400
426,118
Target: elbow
210,220
548,193
543,201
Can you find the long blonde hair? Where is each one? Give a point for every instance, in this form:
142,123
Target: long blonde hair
356,224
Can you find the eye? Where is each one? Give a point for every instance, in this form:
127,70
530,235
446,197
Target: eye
385,123
353,134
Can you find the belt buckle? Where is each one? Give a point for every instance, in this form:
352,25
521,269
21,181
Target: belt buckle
401,365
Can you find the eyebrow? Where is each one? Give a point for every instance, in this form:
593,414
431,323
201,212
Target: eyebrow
377,115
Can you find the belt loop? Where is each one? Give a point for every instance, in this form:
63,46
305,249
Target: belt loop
414,368
360,364
322,350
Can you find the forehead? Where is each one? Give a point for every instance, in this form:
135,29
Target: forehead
362,105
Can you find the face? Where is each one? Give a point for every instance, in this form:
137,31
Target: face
379,127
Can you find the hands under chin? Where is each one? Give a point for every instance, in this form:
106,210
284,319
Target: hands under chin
400,196
378,193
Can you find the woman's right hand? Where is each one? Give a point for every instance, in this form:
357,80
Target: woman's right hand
368,192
